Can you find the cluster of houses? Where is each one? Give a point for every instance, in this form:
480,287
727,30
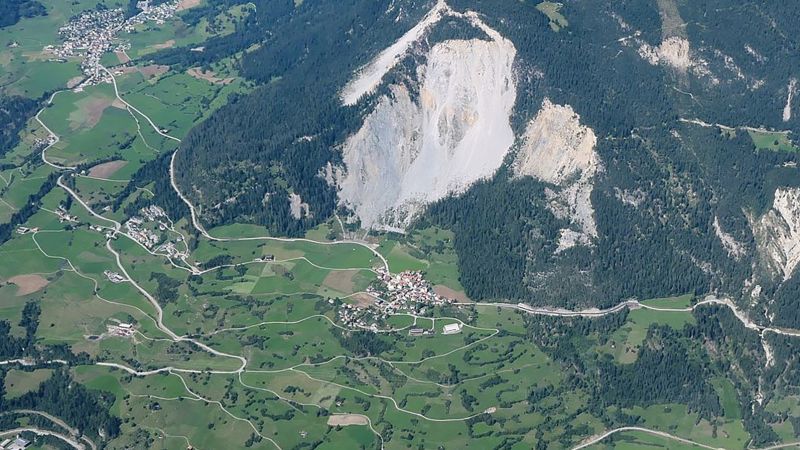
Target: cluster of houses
450,328
168,248
355,316
136,229
65,216
93,33
109,232
26,230
90,35
124,330
152,213
148,229
41,143
403,293
405,289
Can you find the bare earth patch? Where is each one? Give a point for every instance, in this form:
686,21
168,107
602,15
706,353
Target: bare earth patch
106,169
186,4
344,420
209,76
153,70
447,292
122,57
43,55
74,81
28,284
363,300
671,22
125,70
169,44
341,280
89,112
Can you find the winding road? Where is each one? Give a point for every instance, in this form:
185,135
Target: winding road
74,432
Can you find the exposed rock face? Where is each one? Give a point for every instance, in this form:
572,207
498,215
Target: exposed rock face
673,52
778,232
556,146
557,149
298,207
734,248
674,48
411,152
787,110
370,76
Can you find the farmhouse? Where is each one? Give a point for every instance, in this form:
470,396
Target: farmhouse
18,444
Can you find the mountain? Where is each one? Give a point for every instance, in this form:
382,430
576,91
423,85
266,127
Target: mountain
456,130
582,153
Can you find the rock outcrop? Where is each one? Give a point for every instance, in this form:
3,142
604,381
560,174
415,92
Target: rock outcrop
673,52
298,207
787,110
557,149
778,232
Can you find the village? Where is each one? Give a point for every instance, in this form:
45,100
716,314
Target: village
93,33
151,230
407,292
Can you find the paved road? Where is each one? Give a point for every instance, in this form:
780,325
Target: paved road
635,304
597,439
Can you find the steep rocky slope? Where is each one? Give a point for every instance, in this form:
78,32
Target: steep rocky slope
558,150
369,77
734,248
778,233
413,151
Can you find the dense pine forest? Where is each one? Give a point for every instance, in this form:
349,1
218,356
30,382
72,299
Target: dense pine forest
14,114
11,11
